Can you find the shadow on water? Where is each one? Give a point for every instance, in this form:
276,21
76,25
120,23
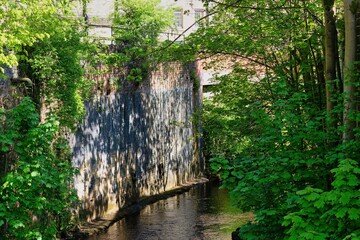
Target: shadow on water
203,213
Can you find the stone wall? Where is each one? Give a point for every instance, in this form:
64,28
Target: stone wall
10,95
136,143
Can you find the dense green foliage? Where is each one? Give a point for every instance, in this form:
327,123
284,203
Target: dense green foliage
272,130
48,43
25,22
137,26
54,64
36,195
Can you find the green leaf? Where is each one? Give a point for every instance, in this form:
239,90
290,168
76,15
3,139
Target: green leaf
353,213
345,198
353,180
18,224
35,173
341,212
319,203
4,148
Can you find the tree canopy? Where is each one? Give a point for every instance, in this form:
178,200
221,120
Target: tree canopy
25,22
281,129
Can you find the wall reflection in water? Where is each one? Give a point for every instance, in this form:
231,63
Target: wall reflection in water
205,212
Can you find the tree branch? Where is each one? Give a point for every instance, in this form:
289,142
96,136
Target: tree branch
182,34
238,55
282,6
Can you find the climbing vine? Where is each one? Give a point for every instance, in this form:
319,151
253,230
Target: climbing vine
55,67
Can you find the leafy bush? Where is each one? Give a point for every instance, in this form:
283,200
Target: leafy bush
36,195
284,136
277,161
137,26
333,213
56,68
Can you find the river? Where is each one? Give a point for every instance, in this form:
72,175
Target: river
203,213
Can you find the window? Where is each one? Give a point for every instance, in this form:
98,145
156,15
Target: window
178,14
199,13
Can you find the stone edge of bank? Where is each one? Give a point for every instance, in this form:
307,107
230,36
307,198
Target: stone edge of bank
101,224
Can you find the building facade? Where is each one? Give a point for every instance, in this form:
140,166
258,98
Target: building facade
187,14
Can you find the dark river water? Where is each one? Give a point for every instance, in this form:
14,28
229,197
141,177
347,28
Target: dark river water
203,213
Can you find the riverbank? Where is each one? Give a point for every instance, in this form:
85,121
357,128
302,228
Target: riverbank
101,224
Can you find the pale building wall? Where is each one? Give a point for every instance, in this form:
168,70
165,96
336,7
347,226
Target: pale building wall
98,18
100,10
99,14
188,10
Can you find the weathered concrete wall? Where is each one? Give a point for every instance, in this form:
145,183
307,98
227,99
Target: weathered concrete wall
13,89
5,91
136,143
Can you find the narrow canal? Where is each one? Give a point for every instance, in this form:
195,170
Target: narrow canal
203,213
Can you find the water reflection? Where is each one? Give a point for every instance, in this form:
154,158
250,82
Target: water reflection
203,213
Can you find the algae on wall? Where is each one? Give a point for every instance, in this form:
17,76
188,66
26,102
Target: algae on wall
136,143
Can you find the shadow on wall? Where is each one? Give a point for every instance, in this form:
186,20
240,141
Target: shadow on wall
135,144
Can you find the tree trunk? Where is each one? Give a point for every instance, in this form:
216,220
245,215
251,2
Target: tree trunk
330,60
351,7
